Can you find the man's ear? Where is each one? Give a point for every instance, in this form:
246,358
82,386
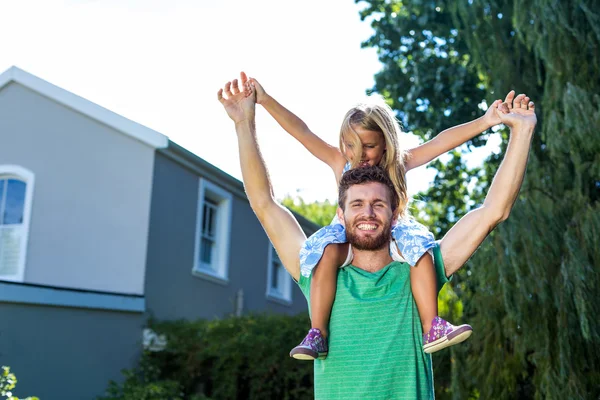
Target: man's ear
340,214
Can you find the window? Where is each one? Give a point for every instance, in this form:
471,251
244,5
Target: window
212,232
16,191
279,281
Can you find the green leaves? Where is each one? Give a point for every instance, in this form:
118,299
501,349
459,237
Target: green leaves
531,290
8,381
320,212
232,358
456,189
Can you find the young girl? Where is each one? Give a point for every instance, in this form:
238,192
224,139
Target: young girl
370,136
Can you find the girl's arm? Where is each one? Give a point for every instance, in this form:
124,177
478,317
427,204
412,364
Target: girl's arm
454,137
293,125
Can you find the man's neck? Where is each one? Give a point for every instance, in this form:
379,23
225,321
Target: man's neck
371,261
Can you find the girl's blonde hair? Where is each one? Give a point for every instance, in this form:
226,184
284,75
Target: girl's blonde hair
378,117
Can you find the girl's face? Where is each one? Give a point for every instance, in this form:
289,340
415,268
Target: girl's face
373,147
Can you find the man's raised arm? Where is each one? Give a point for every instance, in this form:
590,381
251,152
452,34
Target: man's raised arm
459,244
281,226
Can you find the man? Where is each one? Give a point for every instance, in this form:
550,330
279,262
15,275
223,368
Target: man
375,328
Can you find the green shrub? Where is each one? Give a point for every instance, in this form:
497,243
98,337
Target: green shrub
144,384
232,358
8,381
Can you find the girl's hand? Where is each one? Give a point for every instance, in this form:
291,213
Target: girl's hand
240,105
518,113
491,117
261,95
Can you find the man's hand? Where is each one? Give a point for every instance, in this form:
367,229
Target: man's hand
282,228
240,105
518,114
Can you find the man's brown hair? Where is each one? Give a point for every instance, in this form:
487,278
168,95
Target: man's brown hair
362,175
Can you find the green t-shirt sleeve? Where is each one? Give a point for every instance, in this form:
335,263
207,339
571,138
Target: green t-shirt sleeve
440,269
304,284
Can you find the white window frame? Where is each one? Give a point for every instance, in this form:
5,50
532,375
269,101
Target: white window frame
18,172
218,271
285,295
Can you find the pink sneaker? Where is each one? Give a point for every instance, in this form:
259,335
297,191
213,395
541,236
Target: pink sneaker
314,346
443,334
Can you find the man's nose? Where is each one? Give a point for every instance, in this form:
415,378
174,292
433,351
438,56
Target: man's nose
369,211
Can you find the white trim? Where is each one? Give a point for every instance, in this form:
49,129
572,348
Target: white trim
224,200
29,178
139,132
209,276
51,296
286,296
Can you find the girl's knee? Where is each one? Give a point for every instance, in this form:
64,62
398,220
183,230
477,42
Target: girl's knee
336,253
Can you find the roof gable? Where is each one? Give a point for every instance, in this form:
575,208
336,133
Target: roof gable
85,107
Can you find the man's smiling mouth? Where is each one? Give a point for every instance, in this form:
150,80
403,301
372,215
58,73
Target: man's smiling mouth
366,227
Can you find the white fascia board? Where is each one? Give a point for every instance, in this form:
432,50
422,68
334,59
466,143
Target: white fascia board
143,134
63,297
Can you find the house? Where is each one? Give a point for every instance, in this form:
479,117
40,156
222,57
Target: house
104,222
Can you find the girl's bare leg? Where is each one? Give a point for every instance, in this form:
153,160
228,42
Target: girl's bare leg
437,332
324,285
424,288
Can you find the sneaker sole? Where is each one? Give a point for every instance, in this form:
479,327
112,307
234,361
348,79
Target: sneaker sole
459,335
307,355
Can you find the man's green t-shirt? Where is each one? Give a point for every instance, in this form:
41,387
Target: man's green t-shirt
375,340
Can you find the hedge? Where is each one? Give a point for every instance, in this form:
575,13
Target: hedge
232,358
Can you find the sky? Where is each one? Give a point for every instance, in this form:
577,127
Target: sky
160,63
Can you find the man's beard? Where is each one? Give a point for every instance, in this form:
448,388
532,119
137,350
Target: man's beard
371,243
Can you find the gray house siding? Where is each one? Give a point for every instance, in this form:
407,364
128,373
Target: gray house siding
67,353
111,240
172,291
86,244
91,199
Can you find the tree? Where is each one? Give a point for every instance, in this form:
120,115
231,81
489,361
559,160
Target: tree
8,382
320,212
429,78
533,287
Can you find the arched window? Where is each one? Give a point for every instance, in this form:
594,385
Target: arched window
16,192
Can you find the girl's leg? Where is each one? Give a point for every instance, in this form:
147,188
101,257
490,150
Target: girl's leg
322,293
324,284
424,288
437,332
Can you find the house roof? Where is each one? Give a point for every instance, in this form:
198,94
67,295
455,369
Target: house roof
83,106
203,168
133,129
